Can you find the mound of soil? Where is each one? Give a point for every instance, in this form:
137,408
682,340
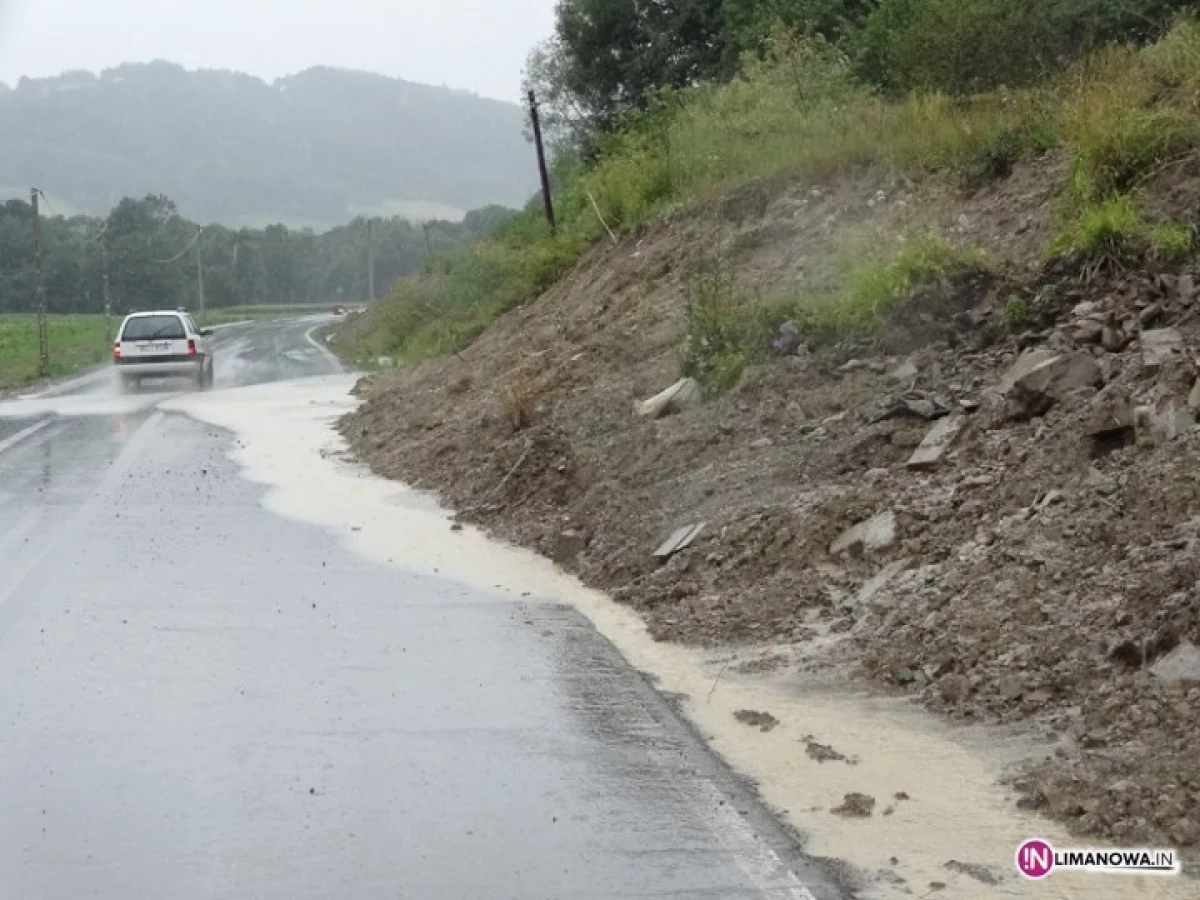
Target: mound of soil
1036,563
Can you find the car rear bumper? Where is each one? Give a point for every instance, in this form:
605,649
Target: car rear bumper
190,365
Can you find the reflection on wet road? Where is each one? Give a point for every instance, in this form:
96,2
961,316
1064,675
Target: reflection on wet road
202,699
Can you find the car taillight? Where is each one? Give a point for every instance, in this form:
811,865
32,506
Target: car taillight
191,348
116,352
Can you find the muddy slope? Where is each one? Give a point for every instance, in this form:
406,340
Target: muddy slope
1039,567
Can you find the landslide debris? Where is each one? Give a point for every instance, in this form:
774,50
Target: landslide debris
999,518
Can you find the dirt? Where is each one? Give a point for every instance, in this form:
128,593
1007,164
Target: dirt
823,753
856,806
763,721
1035,574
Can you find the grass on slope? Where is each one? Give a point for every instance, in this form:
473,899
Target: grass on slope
1120,115
726,330
76,341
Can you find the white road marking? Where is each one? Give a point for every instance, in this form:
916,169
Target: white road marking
329,354
22,434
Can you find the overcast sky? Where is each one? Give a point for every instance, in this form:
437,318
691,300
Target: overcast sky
476,45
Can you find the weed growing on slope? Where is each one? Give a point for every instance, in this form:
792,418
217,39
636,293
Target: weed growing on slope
1116,227
726,330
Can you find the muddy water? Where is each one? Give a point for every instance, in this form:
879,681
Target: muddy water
956,810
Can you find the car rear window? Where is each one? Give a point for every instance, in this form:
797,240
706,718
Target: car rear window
154,328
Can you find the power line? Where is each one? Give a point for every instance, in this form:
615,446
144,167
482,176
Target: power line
46,200
182,253
103,231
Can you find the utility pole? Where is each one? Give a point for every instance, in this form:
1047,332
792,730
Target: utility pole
541,157
237,281
370,260
428,245
43,330
107,296
200,283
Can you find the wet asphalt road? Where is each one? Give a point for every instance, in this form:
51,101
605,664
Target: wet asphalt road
201,700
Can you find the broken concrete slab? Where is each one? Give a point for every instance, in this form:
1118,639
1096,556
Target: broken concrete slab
1036,389
1193,400
937,441
914,405
684,393
1087,331
1150,315
1166,420
876,533
1025,364
1160,346
868,592
679,540
1061,374
1181,664
1114,339
1109,414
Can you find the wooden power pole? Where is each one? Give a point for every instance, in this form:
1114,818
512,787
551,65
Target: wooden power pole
541,157
370,260
200,283
107,295
42,328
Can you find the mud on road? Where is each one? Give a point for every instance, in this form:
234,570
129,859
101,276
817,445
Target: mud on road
1040,572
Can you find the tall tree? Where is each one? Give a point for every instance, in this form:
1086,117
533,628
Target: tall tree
616,53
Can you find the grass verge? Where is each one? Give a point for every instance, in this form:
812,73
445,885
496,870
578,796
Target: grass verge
76,341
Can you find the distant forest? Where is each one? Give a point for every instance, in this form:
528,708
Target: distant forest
151,258
315,149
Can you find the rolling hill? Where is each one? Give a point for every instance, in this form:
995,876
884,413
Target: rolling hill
316,148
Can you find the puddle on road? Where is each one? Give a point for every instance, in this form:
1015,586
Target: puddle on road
955,811
103,397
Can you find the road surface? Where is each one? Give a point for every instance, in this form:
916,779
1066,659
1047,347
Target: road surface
203,700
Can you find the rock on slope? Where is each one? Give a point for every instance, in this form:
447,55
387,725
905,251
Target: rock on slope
1035,561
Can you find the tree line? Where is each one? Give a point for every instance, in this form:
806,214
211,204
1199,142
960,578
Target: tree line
608,59
149,253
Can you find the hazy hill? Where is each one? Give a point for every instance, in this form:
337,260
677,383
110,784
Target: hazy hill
315,148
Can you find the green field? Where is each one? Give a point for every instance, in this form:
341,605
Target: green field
76,341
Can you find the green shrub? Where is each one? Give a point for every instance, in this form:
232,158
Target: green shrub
1123,116
964,46
1016,312
725,331
957,46
1117,227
